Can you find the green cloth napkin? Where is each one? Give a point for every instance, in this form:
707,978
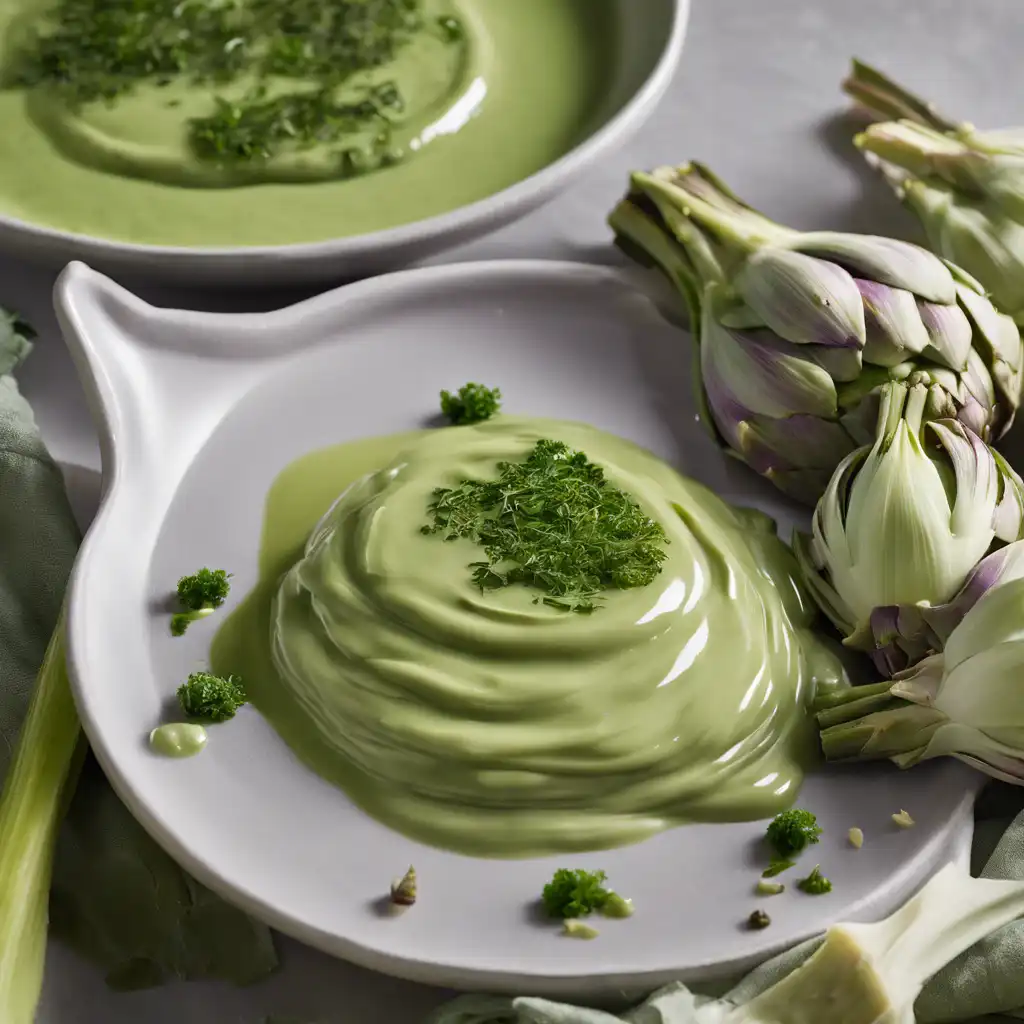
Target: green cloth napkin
116,896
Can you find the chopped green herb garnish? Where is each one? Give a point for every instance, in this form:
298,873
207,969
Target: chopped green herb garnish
758,920
903,819
766,888
199,595
471,403
99,50
815,884
258,126
575,893
552,522
211,698
793,831
777,867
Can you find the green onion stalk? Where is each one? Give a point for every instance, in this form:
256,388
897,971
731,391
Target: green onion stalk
966,186
902,527
39,784
798,331
965,701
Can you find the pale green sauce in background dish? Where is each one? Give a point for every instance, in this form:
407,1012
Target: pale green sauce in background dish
521,89
493,724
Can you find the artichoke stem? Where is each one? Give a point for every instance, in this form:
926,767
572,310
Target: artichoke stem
884,100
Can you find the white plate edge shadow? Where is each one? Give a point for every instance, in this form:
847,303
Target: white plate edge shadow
79,286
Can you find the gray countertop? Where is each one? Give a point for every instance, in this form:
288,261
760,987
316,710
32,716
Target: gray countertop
757,98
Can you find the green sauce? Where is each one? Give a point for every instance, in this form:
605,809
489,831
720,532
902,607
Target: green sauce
494,724
136,169
178,739
617,907
575,929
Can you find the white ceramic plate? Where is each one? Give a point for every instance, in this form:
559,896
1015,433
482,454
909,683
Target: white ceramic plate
198,413
650,48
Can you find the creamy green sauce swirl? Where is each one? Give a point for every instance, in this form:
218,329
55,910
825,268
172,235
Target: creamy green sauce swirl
492,724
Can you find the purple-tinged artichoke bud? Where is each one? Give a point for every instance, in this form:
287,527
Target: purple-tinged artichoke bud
797,332
902,526
966,186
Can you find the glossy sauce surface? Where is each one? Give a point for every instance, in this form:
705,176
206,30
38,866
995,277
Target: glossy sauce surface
490,723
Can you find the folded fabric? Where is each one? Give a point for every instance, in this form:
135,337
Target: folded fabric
116,896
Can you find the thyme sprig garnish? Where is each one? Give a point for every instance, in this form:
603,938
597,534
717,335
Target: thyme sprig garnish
555,523
89,50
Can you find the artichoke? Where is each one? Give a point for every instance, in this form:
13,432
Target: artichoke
966,701
902,526
966,186
798,331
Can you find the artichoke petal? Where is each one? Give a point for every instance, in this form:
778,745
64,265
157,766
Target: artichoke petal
997,619
977,481
764,375
805,300
799,442
949,334
824,594
892,322
998,338
1002,566
1008,521
901,637
886,260
977,396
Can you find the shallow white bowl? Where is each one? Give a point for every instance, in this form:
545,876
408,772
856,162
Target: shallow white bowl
650,47
198,413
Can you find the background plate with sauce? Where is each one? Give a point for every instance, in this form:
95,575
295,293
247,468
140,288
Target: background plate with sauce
560,85
199,413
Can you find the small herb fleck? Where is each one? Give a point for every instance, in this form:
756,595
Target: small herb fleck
766,888
792,831
815,884
903,820
856,837
777,867
758,920
554,523
575,929
617,906
403,890
472,403
575,893
199,595
211,698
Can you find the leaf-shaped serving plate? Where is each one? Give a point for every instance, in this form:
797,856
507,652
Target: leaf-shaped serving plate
198,413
